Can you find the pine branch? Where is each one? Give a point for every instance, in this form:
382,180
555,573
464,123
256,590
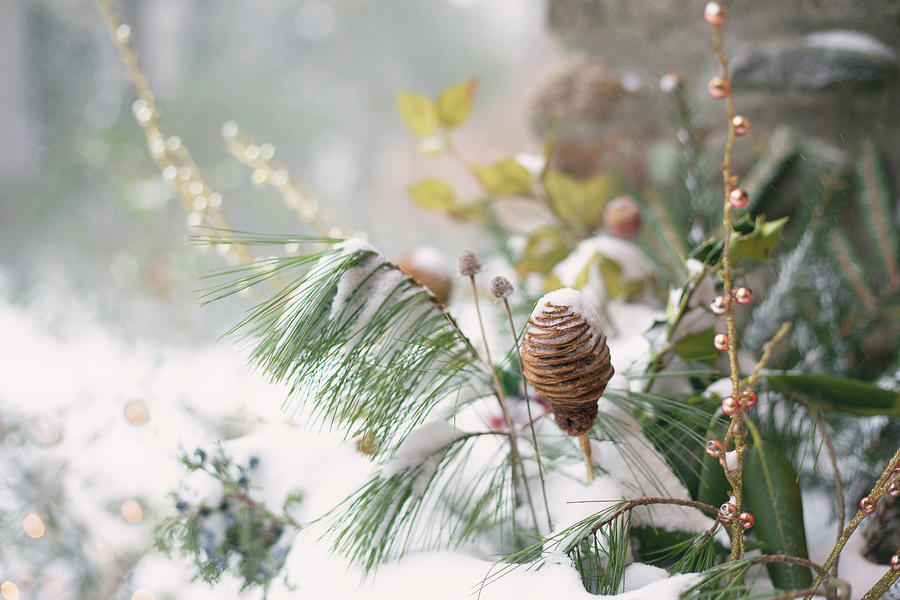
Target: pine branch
443,499
358,341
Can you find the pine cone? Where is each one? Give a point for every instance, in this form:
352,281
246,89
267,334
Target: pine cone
566,358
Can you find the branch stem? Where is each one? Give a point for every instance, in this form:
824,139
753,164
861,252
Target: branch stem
735,430
537,452
504,407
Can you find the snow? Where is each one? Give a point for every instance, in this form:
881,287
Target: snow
852,41
422,448
731,460
196,396
628,255
427,258
577,303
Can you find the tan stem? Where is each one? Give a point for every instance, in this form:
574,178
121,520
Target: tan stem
584,441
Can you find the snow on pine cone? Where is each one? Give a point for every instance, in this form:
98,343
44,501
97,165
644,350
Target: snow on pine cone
566,358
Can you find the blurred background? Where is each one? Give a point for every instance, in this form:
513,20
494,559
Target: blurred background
98,312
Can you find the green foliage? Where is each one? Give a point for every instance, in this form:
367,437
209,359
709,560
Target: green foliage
580,204
419,112
433,194
455,103
439,500
840,394
252,544
772,495
505,178
356,339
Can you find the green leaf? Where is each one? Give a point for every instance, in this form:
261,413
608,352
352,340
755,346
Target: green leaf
772,495
419,112
579,202
505,178
544,249
433,194
455,103
696,346
751,238
758,243
840,394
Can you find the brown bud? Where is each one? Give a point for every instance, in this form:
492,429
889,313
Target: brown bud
622,217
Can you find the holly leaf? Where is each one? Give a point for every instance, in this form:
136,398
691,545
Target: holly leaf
759,242
772,495
455,103
419,112
505,178
433,194
754,239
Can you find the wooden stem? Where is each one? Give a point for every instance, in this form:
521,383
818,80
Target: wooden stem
584,441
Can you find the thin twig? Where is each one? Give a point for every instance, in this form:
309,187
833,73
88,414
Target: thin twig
839,487
504,407
878,490
647,501
537,453
767,354
883,584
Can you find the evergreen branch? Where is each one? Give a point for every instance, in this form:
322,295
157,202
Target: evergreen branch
876,208
842,252
438,501
839,486
358,341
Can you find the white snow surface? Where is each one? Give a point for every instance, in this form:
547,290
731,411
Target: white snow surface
635,265
849,40
79,381
577,302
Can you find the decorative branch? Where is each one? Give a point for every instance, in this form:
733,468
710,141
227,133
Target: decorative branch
887,580
867,505
720,87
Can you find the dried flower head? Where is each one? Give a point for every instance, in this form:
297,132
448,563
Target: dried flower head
501,287
468,264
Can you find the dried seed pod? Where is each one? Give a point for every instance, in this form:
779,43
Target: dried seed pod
566,359
468,264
